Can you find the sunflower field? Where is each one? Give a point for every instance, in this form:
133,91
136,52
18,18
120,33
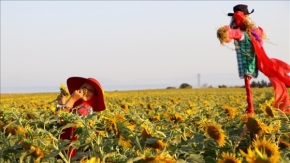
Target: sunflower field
148,126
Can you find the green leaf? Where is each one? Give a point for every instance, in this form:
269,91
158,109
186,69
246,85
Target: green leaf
195,158
198,138
209,160
151,140
180,161
186,149
67,126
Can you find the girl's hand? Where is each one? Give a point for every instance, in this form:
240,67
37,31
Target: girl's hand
61,99
77,94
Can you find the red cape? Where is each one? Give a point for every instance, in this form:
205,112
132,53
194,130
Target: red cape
277,72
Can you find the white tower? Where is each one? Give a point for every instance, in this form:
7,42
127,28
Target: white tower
198,80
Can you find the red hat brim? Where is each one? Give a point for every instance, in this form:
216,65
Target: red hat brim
74,83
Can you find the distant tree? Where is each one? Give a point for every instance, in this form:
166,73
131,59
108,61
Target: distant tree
185,86
254,84
222,86
170,88
263,83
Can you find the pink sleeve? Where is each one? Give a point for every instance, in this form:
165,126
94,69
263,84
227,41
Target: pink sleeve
235,34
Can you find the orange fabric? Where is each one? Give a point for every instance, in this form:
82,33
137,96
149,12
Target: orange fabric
277,72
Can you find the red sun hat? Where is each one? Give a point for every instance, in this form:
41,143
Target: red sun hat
74,83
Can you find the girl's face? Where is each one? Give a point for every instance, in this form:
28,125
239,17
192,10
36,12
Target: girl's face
90,91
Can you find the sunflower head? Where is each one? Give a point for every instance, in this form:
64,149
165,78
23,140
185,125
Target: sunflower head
283,143
216,133
176,117
270,112
254,125
145,132
231,112
63,90
229,158
268,147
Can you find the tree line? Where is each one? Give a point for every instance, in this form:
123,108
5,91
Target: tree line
255,84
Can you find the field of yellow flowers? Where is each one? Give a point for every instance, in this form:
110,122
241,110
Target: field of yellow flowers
148,126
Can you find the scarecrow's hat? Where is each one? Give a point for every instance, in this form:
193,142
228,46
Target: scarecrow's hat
242,8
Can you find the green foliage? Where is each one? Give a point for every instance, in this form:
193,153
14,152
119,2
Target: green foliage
185,86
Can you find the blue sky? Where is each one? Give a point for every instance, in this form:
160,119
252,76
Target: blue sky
128,44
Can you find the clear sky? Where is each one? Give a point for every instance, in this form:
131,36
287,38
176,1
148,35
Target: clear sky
128,44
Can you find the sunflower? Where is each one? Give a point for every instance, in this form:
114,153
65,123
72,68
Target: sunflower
269,148
231,112
147,133
229,158
283,143
91,160
121,128
63,90
176,117
125,107
122,141
155,118
269,111
216,133
256,126
149,157
255,156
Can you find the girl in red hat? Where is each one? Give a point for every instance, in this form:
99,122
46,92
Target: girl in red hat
86,97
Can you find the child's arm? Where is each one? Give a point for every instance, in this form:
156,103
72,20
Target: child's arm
225,34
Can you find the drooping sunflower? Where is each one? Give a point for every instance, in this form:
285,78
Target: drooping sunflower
268,109
255,125
270,149
121,128
229,158
147,133
176,117
231,112
282,143
215,132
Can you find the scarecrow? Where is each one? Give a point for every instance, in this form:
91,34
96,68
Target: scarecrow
252,58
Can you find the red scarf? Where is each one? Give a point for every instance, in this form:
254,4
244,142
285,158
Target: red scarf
277,72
